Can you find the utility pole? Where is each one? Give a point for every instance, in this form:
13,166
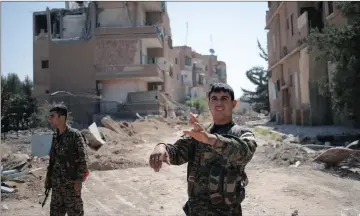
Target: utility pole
187,32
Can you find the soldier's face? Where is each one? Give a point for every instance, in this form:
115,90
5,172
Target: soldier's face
221,105
54,119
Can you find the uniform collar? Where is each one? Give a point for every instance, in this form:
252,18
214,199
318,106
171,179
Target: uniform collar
66,130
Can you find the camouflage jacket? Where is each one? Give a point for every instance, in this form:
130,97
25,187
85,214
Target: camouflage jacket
67,157
216,174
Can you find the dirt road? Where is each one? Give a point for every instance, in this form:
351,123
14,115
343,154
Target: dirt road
273,190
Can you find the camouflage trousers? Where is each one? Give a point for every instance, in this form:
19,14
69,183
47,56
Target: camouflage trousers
203,210
65,201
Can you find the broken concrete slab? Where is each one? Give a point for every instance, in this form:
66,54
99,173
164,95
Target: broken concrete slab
7,189
13,175
317,147
335,155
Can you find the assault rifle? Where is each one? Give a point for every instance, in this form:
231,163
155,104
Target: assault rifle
47,191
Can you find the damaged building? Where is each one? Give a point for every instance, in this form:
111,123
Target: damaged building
119,57
295,73
118,51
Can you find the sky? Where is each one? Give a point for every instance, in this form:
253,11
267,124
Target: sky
233,26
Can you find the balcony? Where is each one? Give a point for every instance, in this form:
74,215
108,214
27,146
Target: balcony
199,67
152,36
149,72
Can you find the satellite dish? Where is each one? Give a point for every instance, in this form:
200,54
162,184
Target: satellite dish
212,51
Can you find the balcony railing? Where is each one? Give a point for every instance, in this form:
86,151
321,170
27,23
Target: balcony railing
151,60
104,72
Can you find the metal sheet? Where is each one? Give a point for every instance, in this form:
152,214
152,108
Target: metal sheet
13,176
7,190
41,145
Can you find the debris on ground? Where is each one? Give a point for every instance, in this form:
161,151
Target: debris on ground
354,145
295,213
343,161
289,154
336,155
250,116
22,174
16,169
94,138
123,138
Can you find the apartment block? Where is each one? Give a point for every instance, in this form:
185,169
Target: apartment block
115,58
198,71
119,51
296,73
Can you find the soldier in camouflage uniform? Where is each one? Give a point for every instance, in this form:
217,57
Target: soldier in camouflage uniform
67,166
216,156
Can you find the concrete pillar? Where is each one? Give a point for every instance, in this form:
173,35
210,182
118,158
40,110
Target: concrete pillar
48,19
61,30
137,13
93,16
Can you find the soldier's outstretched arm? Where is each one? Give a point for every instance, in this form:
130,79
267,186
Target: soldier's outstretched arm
238,149
80,158
182,151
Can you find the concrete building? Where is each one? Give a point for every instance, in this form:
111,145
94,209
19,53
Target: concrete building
295,72
119,52
198,71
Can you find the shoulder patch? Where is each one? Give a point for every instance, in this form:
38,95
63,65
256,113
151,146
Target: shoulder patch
236,130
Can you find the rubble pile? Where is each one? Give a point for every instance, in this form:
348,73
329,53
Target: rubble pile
247,117
22,175
289,154
123,138
19,174
294,150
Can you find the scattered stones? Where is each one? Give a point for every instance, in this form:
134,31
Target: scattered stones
295,213
4,207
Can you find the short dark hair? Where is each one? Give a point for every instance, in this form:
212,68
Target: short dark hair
221,87
60,109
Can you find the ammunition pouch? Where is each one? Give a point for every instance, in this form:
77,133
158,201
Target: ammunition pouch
225,186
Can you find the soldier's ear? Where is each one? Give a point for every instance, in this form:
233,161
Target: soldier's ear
235,102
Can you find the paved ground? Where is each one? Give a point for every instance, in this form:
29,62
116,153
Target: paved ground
273,190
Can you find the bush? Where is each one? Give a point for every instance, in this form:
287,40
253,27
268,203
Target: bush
199,104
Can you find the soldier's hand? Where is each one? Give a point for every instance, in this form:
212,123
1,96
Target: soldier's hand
158,156
77,188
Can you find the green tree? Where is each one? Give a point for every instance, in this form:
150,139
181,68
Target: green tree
199,104
258,99
17,103
340,45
